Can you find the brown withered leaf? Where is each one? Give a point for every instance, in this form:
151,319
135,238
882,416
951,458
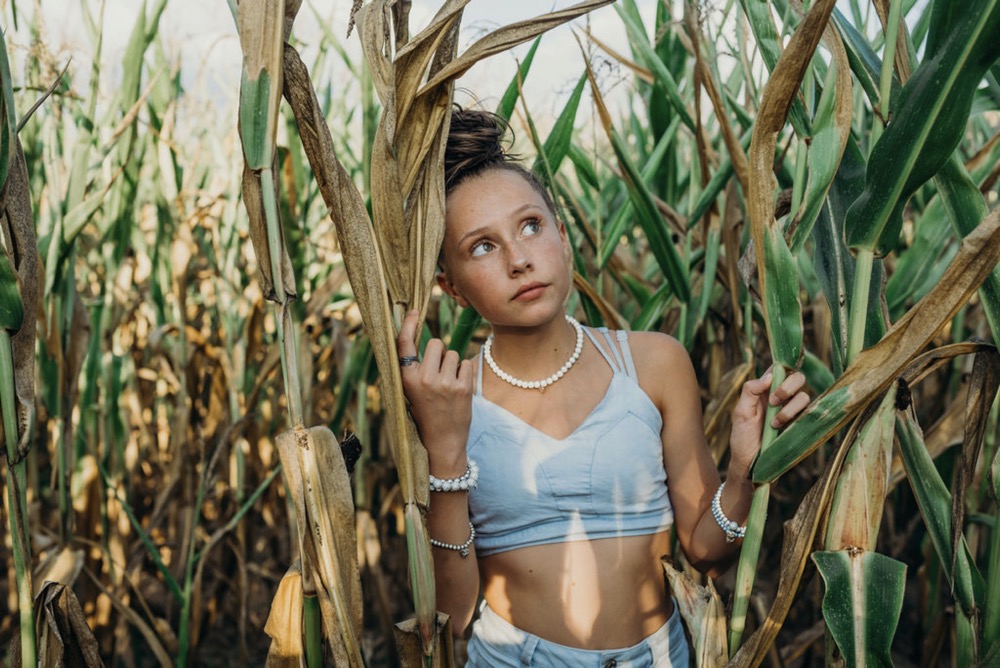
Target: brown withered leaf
284,622
411,653
253,200
63,637
856,510
19,231
363,262
321,491
982,392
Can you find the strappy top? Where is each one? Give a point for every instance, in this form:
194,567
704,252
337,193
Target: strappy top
604,480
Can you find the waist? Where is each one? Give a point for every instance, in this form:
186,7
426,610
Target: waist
593,594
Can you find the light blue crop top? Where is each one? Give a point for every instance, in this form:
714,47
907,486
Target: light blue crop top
606,479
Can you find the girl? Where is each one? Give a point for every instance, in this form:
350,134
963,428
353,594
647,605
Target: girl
562,456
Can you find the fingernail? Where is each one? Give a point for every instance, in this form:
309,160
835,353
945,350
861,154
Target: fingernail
774,401
775,424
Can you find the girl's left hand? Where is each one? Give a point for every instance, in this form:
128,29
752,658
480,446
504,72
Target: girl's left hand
751,410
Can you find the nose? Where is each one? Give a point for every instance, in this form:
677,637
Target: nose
518,259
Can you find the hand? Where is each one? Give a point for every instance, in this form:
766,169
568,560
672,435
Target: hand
750,413
439,389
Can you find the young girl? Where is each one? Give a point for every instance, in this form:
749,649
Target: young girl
562,456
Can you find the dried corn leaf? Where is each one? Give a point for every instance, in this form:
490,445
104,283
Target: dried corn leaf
253,200
703,614
64,639
321,492
22,248
363,262
856,512
411,653
507,37
284,622
982,393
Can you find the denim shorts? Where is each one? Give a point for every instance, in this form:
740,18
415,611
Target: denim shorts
496,643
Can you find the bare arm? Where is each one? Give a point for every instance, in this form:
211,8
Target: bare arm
439,390
692,476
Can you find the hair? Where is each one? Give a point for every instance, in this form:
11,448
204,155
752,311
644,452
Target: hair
479,141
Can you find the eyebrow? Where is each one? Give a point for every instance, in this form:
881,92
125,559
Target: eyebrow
513,214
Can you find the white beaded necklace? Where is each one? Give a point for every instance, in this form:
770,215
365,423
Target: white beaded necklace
536,384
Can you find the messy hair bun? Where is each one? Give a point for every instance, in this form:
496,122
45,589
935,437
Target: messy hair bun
479,141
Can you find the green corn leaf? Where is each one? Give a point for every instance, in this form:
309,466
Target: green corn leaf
862,603
584,167
991,615
833,262
652,309
558,142
929,117
965,206
625,214
934,501
8,116
864,62
825,152
664,80
716,183
783,309
468,321
758,13
509,99
11,306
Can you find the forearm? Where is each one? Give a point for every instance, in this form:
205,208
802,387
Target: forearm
709,550
456,577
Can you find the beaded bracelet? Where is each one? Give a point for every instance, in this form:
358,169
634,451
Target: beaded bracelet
732,529
462,549
463,483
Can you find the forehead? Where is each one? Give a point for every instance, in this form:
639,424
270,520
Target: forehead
491,197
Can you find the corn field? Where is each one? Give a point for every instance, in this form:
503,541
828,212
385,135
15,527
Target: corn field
206,453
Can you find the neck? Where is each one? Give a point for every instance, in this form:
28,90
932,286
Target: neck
533,352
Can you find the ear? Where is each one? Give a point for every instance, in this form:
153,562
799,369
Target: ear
564,237
449,288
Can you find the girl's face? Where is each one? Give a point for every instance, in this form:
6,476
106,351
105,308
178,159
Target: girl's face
504,251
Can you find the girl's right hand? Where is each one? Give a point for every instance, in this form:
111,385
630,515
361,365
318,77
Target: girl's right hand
439,389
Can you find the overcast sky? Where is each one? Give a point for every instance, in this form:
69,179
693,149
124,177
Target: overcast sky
201,33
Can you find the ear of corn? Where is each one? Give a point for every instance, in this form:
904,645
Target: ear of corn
704,615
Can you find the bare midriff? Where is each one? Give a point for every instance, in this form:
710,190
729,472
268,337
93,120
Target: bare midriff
591,594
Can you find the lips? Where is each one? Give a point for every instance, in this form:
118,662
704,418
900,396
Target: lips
529,291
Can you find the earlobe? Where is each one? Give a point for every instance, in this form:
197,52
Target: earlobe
449,289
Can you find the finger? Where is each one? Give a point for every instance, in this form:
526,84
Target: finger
465,375
790,410
449,365
758,386
789,388
406,342
433,352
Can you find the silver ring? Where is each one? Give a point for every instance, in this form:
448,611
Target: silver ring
408,360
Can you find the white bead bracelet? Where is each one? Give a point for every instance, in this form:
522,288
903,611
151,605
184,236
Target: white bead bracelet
463,483
462,549
732,529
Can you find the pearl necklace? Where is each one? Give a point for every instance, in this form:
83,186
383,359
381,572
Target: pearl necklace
536,384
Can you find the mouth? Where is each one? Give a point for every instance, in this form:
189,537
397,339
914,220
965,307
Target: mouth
529,291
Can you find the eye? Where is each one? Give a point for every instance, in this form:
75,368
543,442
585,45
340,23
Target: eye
481,248
531,227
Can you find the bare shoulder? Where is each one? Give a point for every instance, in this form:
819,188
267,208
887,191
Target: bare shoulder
663,365
655,350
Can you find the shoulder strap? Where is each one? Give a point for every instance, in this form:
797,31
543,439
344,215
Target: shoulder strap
627,354
479,373
600,348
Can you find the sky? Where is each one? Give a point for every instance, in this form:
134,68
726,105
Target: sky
202,35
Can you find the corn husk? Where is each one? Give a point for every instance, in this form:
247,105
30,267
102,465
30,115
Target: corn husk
321,491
